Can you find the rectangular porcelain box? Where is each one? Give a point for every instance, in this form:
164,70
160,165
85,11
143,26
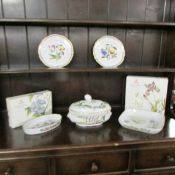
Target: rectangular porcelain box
25,107
146,93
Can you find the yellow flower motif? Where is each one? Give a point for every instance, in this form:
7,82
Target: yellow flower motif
112,50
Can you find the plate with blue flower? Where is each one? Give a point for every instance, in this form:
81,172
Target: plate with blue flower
55,51
109,51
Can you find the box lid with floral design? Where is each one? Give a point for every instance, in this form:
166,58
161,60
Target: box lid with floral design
146,93
25,107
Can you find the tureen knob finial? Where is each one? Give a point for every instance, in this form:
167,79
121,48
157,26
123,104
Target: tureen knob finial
88,97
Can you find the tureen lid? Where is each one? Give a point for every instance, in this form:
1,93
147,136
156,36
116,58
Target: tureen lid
89,105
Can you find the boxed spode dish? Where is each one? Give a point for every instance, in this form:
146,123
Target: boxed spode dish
146,93
25,107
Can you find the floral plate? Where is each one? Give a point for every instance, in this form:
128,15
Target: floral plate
55,51
109,51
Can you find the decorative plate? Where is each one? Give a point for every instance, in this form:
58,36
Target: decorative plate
42,124
55,51
143,121
109,51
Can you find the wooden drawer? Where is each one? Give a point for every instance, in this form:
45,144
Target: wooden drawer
156,173
24,167
92,163
155,158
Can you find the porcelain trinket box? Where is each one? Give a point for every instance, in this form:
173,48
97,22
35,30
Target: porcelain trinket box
89,112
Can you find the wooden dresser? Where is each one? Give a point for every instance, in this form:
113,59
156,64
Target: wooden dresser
147,29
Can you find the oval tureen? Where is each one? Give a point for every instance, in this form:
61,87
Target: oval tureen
89,112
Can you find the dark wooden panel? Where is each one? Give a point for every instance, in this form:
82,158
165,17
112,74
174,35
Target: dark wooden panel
57,9
20,84
80,45
78,9
58,83
167,10
1,9
117,9
35,35
155,10
59,30
151,48
94,34
5,90
106,86
170,61
172,11
13,8
119,33
134,43
78,86
3,51
136,10
163,45
35,9
98,9
17,46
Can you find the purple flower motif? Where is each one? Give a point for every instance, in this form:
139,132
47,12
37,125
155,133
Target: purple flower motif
104,52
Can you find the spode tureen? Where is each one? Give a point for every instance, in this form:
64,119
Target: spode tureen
89,112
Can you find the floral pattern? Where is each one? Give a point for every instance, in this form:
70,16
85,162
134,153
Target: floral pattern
56,51
43,124
157,105
92,105
38,106
146,93
109,52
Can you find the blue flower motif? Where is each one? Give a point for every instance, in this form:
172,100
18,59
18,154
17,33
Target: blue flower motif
38,106
104,52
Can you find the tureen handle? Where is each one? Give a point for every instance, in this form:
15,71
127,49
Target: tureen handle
88,97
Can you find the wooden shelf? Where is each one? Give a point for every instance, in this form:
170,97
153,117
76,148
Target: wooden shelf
67,136
87,69
100,23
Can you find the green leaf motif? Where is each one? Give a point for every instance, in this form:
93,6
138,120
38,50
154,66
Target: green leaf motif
35,115
30,97
55,56
28,111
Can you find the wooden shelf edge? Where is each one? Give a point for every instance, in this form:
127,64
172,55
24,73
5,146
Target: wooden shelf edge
86,69
98,23
118,143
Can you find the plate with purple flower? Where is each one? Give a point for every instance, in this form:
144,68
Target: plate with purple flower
109,51
55,51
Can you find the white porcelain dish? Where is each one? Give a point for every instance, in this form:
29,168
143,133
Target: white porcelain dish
109,51
89,112
143,121
42,124
55,51
89,120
